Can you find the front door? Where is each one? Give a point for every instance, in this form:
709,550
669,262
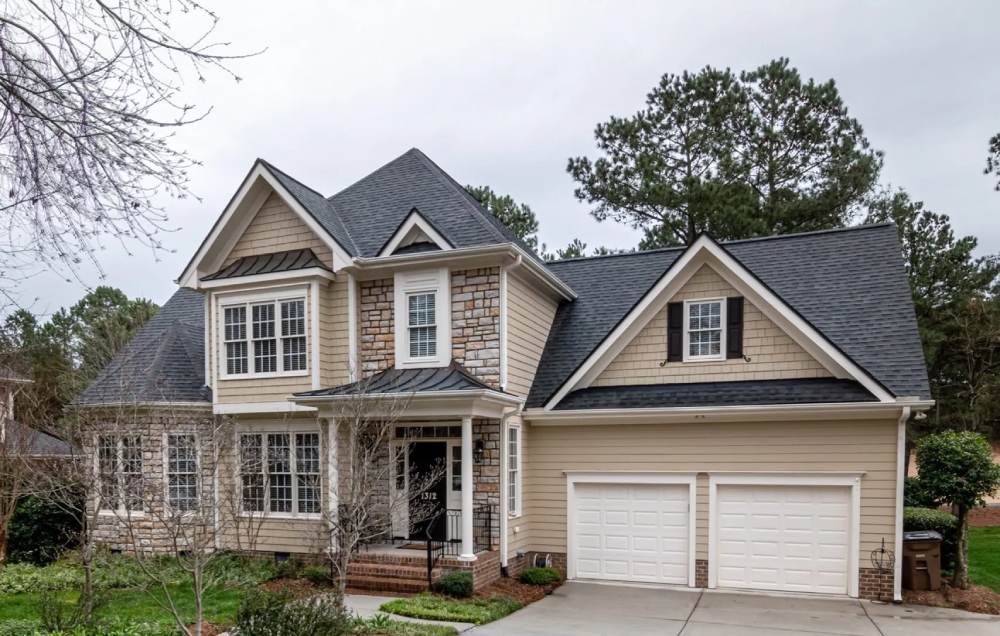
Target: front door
427,461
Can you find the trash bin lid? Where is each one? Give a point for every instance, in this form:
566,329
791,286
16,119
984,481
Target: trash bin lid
922,535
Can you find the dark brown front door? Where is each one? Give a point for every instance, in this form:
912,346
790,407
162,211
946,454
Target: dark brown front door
427,507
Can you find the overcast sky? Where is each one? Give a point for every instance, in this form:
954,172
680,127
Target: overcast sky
503,93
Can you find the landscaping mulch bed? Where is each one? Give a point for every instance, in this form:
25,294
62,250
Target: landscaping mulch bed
298,588
208,629
977,598
521,592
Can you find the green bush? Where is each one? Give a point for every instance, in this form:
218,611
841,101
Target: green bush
540,576
915,494
455,584
116,627
40,531
17,578
288,569
939,521
317,574
269,614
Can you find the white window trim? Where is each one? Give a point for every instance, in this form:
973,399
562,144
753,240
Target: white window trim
515,512
122,510
165,452
687,357
291,431
438,282
849,480
655,478
248,300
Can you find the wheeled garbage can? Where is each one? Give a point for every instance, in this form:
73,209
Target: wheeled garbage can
922,560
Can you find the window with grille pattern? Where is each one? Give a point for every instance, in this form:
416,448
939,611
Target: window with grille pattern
422,328
265,338
281,473
704,329
182,472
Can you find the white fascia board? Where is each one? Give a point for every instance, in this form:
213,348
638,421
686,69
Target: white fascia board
706,251
415,220
245,408
253,279
481,403
366,268
748,413
225,232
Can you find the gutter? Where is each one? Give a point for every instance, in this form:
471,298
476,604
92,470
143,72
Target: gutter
856,410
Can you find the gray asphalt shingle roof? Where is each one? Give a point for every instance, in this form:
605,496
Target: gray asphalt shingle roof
287,261
37,443
799,391
164,361
850,284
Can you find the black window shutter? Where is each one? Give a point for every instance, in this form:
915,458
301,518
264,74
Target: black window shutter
734,327
675,332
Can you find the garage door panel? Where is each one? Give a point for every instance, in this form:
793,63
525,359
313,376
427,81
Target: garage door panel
793,538
632,532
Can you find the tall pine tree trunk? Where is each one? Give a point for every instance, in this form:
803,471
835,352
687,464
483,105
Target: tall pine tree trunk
960,578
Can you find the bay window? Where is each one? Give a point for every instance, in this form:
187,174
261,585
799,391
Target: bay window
119,468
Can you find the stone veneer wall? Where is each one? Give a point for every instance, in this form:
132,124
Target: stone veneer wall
486,475
377,350
151,530
475,322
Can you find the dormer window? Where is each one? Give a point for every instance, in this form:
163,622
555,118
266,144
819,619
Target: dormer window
422,316
704,329
265,337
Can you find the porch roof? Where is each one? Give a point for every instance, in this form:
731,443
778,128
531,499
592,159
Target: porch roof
454,377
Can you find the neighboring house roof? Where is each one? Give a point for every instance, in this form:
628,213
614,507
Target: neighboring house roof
454,377
164,361
770,392
36,443
269,264
849,283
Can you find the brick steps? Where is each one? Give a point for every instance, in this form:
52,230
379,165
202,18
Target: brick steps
389,573
386,584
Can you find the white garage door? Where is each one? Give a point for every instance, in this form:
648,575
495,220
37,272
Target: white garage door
790,538
631,532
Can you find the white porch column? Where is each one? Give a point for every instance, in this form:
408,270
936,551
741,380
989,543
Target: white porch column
468,551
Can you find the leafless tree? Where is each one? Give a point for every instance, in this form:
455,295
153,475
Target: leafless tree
90,94
368,502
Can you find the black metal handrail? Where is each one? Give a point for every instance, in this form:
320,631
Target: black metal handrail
482,535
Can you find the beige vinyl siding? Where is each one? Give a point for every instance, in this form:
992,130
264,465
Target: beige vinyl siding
274,389
773,354
852,446
277,228
334,353
529,318
266,532
518,528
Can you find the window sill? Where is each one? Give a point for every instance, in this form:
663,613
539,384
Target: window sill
281,516
121,514
701,359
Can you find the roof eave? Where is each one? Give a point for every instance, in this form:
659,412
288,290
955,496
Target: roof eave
511,252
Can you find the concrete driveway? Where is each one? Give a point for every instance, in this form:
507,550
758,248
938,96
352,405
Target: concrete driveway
592,609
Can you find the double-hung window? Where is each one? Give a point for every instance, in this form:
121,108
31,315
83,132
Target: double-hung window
265,338
280,473
421,325
514,470
704,326
119,466
182,472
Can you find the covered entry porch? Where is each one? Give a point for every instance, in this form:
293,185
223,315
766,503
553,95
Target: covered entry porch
442,458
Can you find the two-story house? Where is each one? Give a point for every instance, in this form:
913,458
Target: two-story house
721,415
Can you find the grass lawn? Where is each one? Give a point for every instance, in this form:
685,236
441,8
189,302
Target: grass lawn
439,608
984,557
220,606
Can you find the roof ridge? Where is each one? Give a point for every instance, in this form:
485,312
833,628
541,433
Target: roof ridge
769,237
370,174
283,173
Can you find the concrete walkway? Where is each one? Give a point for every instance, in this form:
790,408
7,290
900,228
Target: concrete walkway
588,609
367,606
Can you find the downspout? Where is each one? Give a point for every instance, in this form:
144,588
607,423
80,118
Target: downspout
897,577
503,490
